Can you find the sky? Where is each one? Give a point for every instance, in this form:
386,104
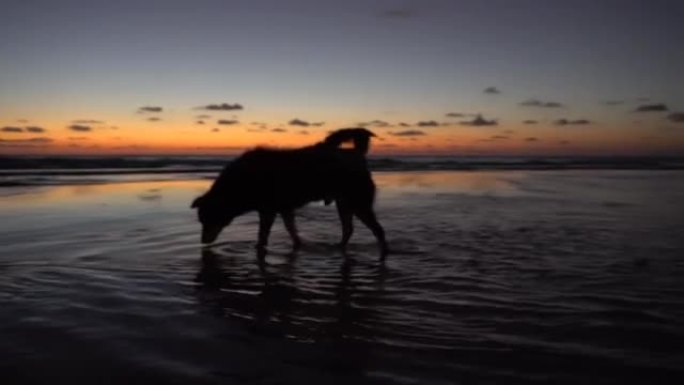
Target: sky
486,77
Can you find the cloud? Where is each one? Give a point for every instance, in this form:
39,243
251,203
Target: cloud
223,107
613,102
199,122
278,130
569,122
539,103
303,132
676,117
530,121
397,14
25,142
427,123
531,139
499,137
153,119
215,130
408,133
150,109
80,128
455,115
317,124
303,123
87,121
403,124
78,138
660,107
374,123
203,116
479,121
299,122
33,129
227,122
491,90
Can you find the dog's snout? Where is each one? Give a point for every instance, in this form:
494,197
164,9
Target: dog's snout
209,234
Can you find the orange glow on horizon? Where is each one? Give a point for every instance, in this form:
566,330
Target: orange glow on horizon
135,135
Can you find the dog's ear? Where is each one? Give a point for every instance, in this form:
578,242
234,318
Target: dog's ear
198,201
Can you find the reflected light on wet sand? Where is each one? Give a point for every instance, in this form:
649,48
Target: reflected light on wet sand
389,183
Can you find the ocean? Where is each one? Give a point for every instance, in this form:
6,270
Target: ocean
502,271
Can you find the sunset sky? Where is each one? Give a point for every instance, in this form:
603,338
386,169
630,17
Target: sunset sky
506,77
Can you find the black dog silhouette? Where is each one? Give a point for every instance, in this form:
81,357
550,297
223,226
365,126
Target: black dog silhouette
272,182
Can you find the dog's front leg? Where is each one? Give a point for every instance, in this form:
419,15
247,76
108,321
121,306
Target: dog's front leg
345,213
291,227
266,219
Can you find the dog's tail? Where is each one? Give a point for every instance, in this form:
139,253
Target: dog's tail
359,136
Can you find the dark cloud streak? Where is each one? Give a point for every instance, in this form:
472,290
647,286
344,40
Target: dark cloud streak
223,107
455,115
427,123
660,107
304,123
569,122
227,122
146,109
539,103
80,128
25,142
374,123
87,121
479,121
408,133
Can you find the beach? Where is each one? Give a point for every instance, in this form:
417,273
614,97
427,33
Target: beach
494,276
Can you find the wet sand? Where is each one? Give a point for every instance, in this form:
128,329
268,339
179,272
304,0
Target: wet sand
495,277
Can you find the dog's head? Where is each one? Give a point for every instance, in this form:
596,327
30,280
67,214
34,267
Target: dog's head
214,214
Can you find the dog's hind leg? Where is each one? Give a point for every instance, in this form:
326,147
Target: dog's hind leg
266,219
346,218
367,216
291,227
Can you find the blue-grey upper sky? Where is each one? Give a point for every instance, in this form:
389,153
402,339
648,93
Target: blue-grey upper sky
339,61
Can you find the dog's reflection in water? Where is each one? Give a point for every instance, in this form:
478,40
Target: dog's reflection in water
278,299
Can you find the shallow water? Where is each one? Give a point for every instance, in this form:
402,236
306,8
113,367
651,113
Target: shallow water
495,277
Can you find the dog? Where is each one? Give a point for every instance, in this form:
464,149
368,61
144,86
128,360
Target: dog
278,181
